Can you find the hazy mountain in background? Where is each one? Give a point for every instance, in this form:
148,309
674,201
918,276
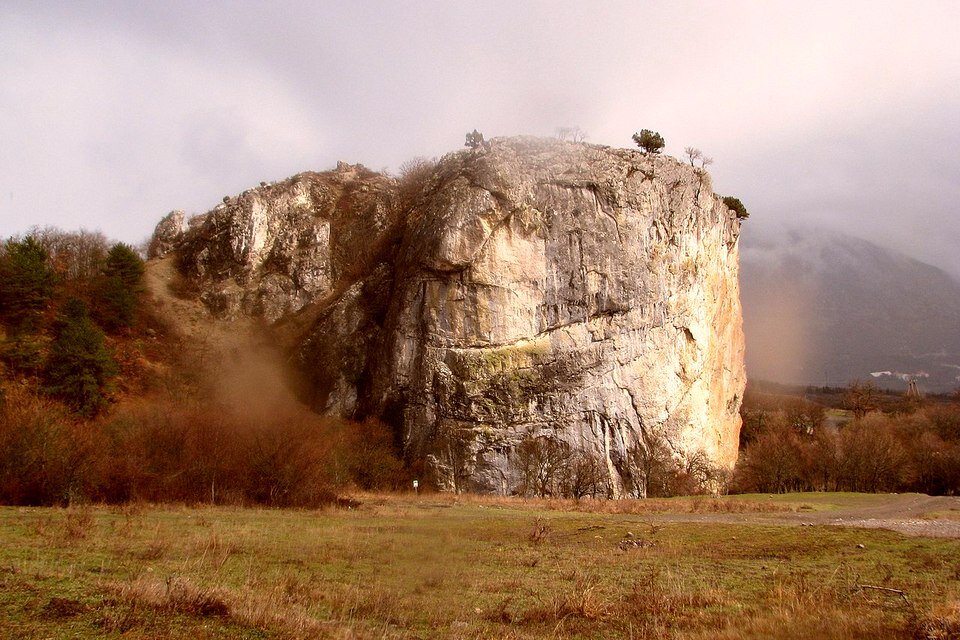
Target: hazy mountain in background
821,307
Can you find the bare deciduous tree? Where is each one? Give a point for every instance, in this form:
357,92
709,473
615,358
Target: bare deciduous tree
861,398
542,461
584,476
571,134
650,467
453,457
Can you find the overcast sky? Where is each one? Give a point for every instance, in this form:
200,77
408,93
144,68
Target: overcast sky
837,113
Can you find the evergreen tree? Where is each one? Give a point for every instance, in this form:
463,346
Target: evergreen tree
124,263
78,369
736,206
649,141
118,291
474,140
26,281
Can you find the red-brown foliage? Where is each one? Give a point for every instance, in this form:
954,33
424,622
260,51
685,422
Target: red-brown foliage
163,451
917,451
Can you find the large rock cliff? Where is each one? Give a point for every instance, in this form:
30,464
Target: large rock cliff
531,289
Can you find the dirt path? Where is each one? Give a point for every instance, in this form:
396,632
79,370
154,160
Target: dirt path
908,514
902,513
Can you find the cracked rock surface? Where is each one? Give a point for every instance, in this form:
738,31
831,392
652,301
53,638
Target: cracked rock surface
531,288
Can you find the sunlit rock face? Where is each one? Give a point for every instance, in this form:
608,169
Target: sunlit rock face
167,235
272,250
532,288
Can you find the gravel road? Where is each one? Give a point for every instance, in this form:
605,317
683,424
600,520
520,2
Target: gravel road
907,514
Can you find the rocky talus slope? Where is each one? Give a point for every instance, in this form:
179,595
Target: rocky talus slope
529,289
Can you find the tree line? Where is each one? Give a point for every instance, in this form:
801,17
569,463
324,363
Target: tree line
788,445
61,294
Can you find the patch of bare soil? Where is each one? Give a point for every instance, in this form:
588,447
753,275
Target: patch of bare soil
236,360
188,316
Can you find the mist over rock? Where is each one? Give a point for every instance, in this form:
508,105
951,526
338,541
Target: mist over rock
531,288
822,307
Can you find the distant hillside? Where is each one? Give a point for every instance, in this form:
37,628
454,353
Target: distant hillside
824,308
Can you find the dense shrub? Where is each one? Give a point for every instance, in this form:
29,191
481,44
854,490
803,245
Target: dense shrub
124,263
73,272
736,206
44,456
23,354
118,288
166,451
474,140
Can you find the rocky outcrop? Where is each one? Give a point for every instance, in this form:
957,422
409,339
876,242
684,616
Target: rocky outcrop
167,235
533,289
272,250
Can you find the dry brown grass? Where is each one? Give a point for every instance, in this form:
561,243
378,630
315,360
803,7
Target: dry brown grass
270,608
443,567
685,505
173,595
942,622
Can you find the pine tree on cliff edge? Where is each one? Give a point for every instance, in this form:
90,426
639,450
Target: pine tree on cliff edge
649,141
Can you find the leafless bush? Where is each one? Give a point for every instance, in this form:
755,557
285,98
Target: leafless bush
869,456
414,182
772,462
166,451
654,472
45,457
77,523
540,531
861,398
941,623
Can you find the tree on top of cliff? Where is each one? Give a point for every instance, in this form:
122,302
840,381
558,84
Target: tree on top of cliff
736,206
571,134
649,141
474,140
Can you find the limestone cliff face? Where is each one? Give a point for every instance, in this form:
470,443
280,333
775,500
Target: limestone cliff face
535,288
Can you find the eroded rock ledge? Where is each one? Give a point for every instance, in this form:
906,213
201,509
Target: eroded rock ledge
533,288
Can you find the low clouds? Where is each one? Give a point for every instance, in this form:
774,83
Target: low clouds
845,115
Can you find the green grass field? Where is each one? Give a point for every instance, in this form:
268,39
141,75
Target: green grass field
441,567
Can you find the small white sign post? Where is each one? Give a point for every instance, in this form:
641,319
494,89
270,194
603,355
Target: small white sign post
416,487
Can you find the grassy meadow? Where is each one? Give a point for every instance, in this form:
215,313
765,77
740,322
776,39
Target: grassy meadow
447,567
